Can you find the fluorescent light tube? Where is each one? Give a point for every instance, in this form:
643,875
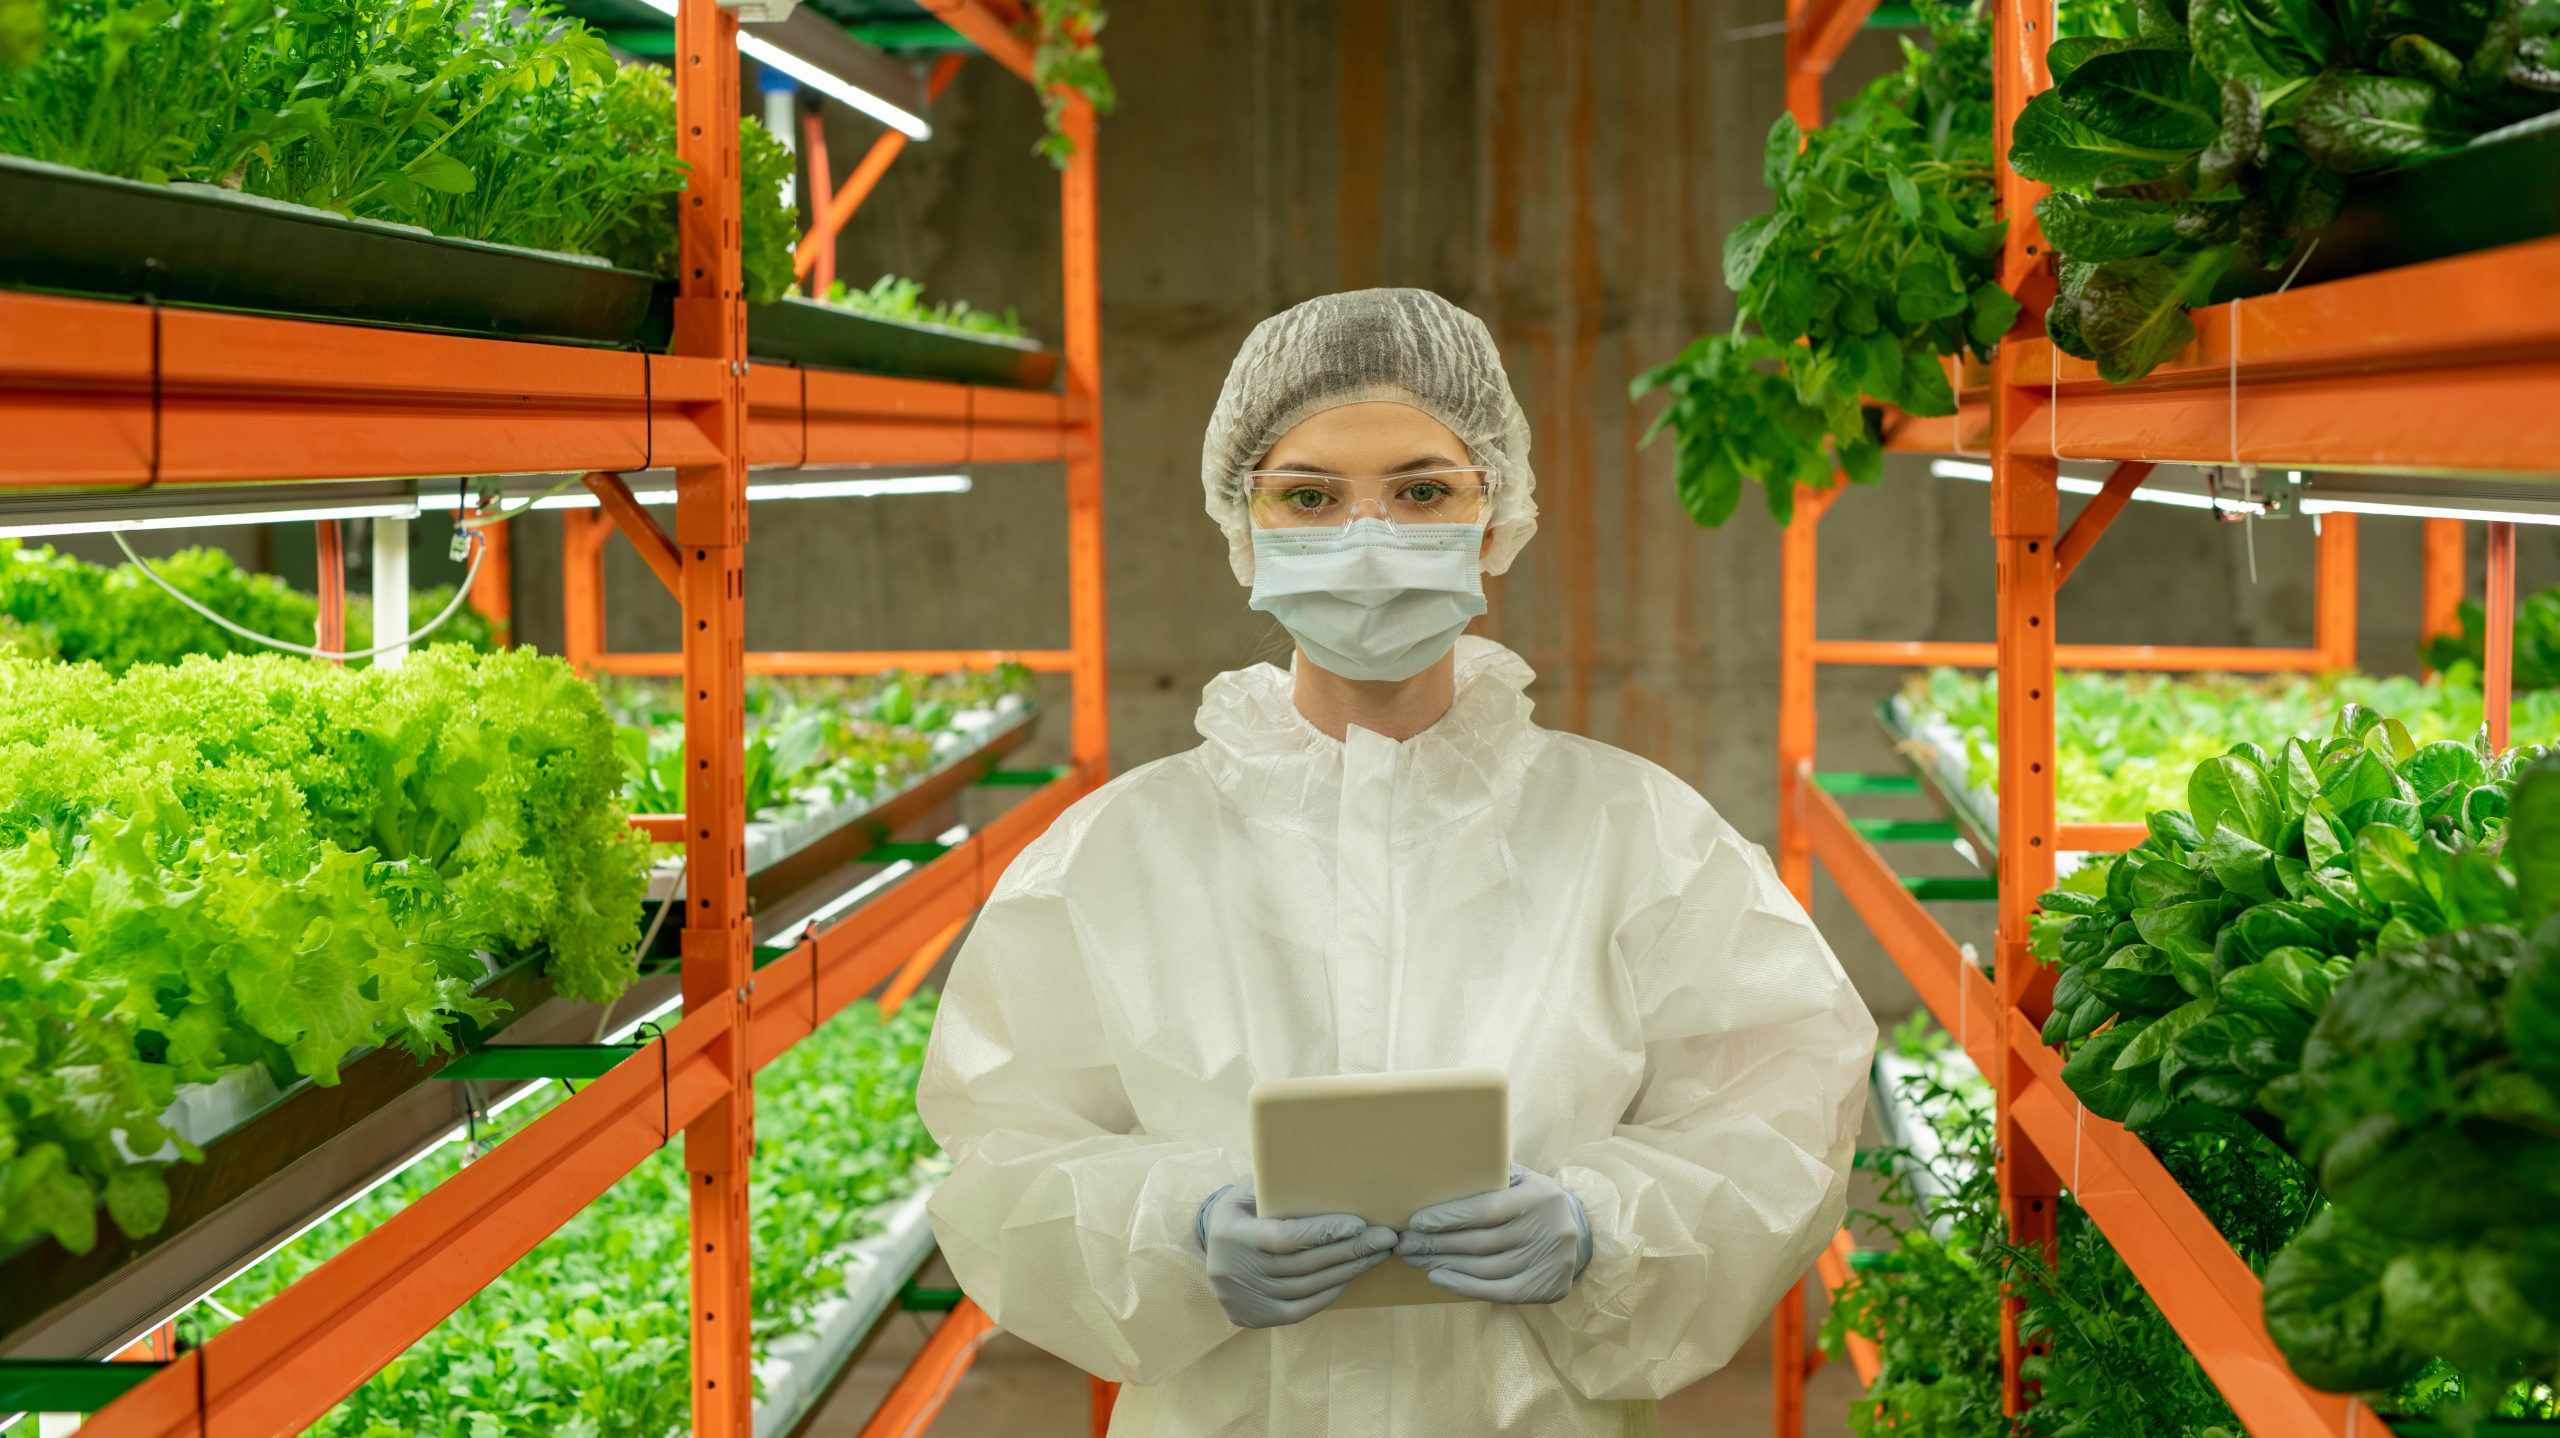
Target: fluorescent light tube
2422,511
2074,484
826,82
215,520
757,489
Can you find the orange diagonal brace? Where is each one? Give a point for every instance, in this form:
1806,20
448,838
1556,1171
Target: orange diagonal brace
616,499
815,254
2092,521
926,1385
996,27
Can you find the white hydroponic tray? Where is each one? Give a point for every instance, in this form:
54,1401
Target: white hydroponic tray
1905,1119
797,1369
1928,738
814,813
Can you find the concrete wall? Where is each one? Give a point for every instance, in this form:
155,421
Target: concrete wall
1567,171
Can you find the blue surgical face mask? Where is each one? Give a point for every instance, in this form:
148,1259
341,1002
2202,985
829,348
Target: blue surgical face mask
1371,600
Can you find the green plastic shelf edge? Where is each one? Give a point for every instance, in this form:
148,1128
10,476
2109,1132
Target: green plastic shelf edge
1845,784
1955,891
43,1385
539,1061
1906,831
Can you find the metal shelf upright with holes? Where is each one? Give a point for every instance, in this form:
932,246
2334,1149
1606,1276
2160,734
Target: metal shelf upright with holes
140,400
2445,374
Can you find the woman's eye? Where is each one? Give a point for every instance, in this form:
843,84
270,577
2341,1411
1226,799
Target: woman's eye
1308,498
1430,492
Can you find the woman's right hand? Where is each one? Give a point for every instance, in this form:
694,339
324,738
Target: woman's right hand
1268,1272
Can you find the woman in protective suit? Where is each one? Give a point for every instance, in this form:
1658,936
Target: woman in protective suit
1375,861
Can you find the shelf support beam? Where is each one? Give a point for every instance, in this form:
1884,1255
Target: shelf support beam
2094,517
614,497
2440,587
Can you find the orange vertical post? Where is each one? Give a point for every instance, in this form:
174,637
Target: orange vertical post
711,533
583,536
2497,665
1797,727
2333,617
330,554
2024,518
493,589
2440,586
1079,242
1101,1396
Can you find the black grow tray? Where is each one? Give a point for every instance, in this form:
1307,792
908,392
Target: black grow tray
806,332
2501,189
73,232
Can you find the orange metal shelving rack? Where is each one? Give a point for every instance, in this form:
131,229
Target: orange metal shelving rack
101,396
2452,366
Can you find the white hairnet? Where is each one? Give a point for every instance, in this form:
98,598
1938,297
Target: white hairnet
1408,346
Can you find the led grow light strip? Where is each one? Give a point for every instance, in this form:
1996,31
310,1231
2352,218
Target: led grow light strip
2422,511
757,490
2073,484
826,82
216,520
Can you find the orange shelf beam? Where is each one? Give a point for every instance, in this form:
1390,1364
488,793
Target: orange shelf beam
1833,1267
842,662
252,399
2445,366
290,1359
1966,655
917,1397
799,417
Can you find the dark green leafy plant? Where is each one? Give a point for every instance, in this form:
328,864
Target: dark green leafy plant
1931,1302
1067,56
1880,259
2193,967
2196,146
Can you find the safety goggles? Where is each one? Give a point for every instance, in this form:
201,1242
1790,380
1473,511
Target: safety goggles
1299,499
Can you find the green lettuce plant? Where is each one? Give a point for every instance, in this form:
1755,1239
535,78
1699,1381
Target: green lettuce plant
515,126
262,860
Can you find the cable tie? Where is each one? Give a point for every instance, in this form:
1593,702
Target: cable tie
151,299
666,1111
2079,1123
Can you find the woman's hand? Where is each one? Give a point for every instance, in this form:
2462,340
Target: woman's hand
1523,1244
1268,1272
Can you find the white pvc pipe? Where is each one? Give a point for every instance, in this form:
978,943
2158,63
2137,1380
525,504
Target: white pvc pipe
390,587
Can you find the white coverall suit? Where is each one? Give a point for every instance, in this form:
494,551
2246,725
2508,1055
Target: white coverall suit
1685,1056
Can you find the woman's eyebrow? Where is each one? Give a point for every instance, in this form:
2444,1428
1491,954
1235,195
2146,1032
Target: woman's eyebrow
1428,461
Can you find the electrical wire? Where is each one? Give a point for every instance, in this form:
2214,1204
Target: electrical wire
503,513
460,595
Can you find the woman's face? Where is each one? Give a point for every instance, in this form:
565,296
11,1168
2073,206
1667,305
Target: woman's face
1365,444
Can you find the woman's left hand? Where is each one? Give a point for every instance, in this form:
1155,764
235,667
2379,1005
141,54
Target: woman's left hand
1526,1243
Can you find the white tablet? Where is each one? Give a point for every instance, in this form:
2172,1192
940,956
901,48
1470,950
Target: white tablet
1382,1146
